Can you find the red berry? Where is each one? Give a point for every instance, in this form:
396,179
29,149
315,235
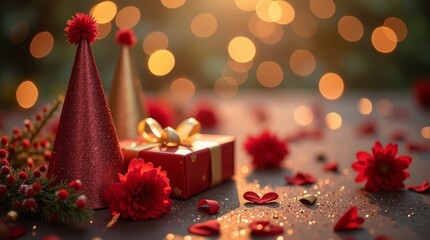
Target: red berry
30,162
17,205
3,153
81,201
26,143
44,143
76,184
30,192
5,162
29,203
23,176
27,123
62,194
37,173
3,190
38,117
4,140
47,155
16,131
10,179
5,170
42,168
37,187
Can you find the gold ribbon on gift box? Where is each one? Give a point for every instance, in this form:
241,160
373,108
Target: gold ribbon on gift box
185,135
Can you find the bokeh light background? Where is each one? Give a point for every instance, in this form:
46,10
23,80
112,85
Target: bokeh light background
222,47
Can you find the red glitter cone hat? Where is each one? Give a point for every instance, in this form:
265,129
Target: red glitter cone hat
126,101
86,146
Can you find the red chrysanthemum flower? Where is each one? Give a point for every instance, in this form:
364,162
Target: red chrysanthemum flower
143,193
382,170
126,37
266,150
81,26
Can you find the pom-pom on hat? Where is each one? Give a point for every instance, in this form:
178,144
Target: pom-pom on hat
86,146
126,37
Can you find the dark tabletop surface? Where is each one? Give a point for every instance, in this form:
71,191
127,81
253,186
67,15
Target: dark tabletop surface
399,215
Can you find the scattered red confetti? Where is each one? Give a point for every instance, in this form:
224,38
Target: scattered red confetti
398,135
331,166
382,237
208,228
423,188
417,147
212,205
51,237
81,26
301,179
422,92
349,220
267,150
367,128
382,169
143,192
253,197
265,228
125,37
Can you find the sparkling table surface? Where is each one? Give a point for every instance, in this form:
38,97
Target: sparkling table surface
398,215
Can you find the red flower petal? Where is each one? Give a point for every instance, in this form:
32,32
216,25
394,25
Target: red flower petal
301,179
212,205
253,197
423,188
331,166
349,220
265,228
208,228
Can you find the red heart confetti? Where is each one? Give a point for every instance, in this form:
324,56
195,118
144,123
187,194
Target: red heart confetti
265,228
331,166
417,147
423,188
349,220
253,197
212,205
208,228
301,179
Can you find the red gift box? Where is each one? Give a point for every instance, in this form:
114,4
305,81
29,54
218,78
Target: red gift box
191,169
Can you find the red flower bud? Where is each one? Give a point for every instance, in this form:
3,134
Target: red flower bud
76,184
62,194
5,170
3,153
5,162
23,176
26,143
44,143
38,117
4,140
3,190
81,201
42,168
10,179
37,187
29,203
37,173
30,192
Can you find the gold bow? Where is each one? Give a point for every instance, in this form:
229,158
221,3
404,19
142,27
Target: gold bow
152,132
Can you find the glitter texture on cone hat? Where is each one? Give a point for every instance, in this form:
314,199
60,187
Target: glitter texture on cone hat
126,100
86,145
